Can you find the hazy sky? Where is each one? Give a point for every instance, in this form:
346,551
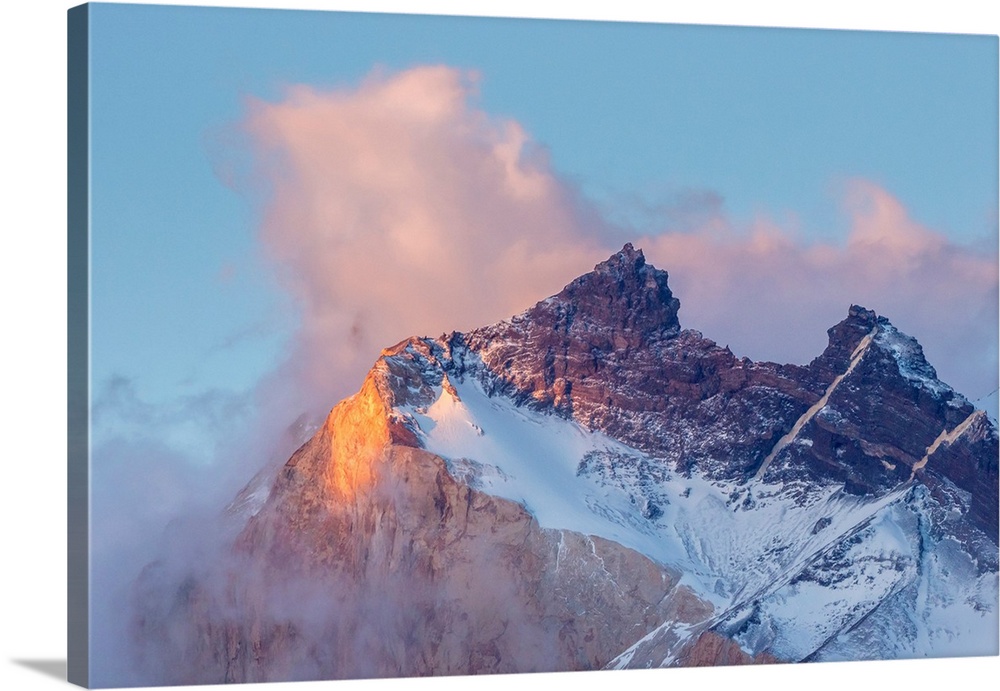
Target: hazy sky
279,195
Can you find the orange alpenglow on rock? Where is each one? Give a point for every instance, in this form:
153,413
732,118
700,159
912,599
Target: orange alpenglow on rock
354,438
351,442
358,432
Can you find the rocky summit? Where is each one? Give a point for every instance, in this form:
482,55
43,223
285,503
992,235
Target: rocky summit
587,485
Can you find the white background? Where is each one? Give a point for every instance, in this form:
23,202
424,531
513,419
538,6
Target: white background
33,334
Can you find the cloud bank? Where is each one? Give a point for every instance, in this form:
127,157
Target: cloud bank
771,295
399,208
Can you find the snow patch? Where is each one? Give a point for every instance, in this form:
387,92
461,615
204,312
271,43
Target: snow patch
909,357
571,478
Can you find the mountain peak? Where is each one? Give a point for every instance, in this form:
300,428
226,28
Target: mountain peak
595,457
623,293
626,259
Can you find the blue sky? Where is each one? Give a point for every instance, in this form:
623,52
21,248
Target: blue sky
635,116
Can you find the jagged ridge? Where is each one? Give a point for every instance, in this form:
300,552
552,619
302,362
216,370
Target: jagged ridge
687,456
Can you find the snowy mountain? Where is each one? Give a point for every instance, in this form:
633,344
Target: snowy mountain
587,485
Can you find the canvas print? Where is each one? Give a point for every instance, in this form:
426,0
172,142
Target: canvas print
420,345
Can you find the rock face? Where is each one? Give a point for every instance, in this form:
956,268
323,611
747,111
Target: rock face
406,572
608,351
528,496
683,399
711,650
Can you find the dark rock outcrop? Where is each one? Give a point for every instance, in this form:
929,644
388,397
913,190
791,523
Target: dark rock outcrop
608,352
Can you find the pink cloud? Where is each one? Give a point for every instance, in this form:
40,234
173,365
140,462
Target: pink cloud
770,295
399,208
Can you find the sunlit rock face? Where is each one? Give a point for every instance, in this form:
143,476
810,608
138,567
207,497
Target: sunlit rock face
370,559
588,485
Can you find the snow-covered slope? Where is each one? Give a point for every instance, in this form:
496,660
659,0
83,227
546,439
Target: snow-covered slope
586,484
793,573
